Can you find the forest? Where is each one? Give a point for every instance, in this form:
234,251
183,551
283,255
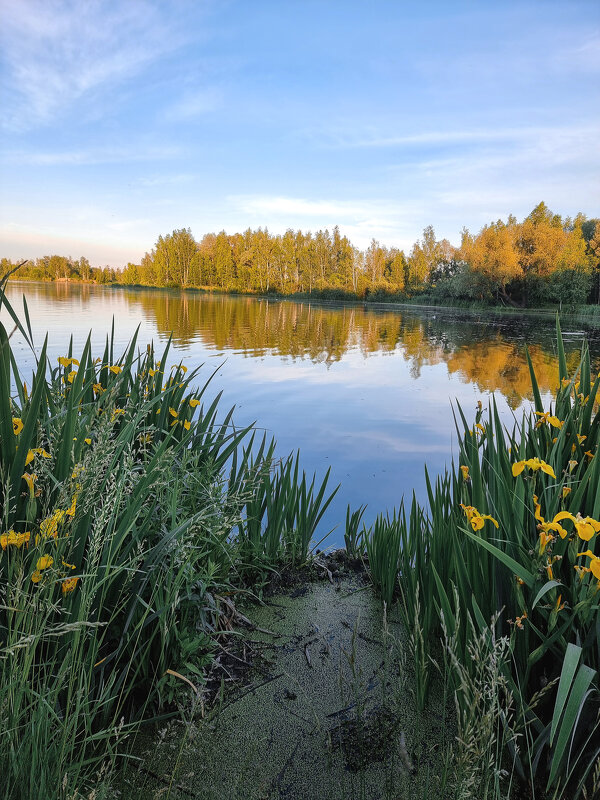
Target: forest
541,260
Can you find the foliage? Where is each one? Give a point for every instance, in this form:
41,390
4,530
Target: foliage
494,262
383,552
121,493
513,535
353,538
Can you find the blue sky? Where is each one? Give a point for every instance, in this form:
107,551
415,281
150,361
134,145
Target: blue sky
124,120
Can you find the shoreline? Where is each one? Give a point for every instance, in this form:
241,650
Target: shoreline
586,313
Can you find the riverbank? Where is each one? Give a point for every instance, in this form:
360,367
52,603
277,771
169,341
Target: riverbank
337,298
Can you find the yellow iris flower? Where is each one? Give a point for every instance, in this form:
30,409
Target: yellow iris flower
12,539
68,585
17,425
549,418
30,480
534,464
594,566
37,451
66,362
475,518
44,562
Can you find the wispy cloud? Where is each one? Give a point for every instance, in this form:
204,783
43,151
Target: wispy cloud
56,51
359,220
90,156
377,138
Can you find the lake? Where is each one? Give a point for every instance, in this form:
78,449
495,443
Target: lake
366,391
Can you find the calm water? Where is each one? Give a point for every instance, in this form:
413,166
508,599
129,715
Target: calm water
367,392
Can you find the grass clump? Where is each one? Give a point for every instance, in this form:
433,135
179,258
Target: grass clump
125,505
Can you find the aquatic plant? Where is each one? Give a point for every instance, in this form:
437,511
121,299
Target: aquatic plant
353,537
512,534
383,552
120,495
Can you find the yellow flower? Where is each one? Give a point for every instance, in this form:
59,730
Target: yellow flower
586,527
116,369
49,526
37,451
476,519
173,413
44,562
152,372
187,424
545,539
66,362
70,512
465,472
98,388
594,566
549,564
194,402
480,428
547,417
559,606
87,441
537,512
589,454
581,438
29,480
566,492
17,425
534,464
36,576
12,539
68,585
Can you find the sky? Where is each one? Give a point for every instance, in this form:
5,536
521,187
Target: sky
122,121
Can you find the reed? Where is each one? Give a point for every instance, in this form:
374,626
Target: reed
512,532
383,552
353,536
128,505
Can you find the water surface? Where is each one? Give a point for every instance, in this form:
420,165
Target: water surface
365,391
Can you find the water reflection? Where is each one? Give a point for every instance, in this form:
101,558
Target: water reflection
364,391
486,352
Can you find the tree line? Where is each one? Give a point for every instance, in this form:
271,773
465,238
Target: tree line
543,258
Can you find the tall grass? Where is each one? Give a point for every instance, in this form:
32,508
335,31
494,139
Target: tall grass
512,530
121,494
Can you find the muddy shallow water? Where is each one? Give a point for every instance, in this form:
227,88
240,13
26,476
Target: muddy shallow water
330,714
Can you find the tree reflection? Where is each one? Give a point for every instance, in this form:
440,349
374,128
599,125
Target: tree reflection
490,355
